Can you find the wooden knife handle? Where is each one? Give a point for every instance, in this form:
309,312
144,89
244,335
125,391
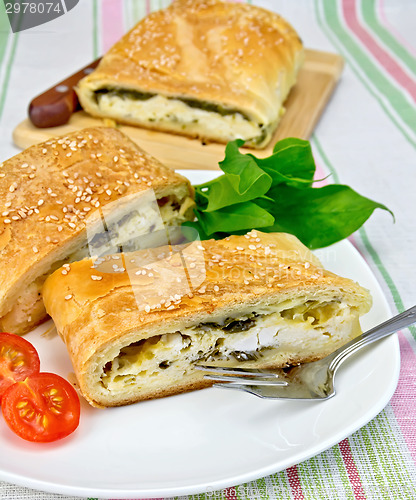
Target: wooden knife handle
55,106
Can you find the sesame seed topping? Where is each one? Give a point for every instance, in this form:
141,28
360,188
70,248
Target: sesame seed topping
96,278
216,288
71,224
7,221
252,247
68,297
44,151
147,308
35,249
64,271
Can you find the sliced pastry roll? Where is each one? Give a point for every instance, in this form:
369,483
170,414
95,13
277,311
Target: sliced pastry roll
135,324
203,68
83,194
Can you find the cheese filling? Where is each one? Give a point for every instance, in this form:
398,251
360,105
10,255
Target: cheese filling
308,329
182,116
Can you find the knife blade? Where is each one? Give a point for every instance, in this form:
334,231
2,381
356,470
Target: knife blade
55,106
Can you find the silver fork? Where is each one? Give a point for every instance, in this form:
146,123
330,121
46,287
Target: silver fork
308,381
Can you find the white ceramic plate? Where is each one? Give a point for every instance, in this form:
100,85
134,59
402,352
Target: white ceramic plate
209,439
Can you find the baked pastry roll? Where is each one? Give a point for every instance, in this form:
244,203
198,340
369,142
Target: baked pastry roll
258,300
71,197
203,68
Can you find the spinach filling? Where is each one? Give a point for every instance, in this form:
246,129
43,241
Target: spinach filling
192,103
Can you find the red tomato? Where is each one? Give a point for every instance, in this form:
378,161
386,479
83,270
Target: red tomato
42,408
18,360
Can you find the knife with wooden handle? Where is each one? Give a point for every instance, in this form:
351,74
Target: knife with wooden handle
55,106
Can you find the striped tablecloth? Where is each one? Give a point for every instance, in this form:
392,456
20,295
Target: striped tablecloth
366,139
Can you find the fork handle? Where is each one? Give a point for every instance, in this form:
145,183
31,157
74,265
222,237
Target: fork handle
385,329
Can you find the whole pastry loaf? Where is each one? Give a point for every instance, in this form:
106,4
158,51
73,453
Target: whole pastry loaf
62,200
203,68
135,324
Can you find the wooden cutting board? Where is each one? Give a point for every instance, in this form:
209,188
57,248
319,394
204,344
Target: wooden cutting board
305,104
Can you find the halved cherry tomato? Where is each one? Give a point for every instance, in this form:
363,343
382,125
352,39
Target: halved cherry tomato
42,408
18,360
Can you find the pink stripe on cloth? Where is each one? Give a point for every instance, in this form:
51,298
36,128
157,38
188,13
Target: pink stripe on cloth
352,471
294,483
111,22
349,8
403,402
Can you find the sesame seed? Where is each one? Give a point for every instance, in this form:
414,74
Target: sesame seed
40,203
307,265
59,228
5,214
115,159
147,308
44,151
252,247
64,271
7,221
35,249
71,224
96,278
68,297
239,248
216,288
15,217
8,204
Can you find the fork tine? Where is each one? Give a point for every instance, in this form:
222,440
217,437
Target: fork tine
229,370
246,380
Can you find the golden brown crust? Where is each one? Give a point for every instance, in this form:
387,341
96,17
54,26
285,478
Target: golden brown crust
49,191
235,55
95,310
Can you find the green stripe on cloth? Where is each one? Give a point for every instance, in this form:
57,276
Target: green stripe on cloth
95,43
398,302
318,483
5,30
388,96
368,9
379,440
